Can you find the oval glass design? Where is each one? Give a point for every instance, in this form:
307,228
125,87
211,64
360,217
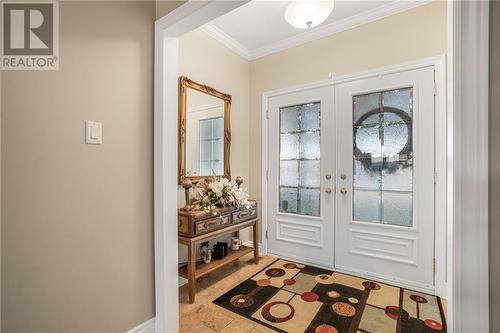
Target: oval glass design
383,157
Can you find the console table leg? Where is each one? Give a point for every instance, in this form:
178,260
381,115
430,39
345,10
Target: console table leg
255,243
191,272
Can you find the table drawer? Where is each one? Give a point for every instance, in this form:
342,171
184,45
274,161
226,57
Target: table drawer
211,224
245,215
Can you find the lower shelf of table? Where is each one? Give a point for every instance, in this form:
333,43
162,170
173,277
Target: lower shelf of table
203,269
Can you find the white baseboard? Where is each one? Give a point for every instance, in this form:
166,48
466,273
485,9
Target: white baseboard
145,327
182,281
250,244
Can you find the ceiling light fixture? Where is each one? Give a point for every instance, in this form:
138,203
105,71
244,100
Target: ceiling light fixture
305,14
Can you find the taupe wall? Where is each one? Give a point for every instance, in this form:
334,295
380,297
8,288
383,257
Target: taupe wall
164,7
411,35
77,220
494,167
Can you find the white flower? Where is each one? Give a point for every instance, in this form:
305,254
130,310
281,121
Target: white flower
225,182
241,196
216,187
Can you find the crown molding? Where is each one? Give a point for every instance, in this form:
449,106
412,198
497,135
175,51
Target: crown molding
206,107
319,32
228,41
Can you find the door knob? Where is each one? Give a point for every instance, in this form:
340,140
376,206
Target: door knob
328,190
343,190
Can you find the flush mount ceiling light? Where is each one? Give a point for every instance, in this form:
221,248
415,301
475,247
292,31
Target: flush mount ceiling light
305,14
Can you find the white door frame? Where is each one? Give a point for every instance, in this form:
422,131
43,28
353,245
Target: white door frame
168,29
468,38
438,63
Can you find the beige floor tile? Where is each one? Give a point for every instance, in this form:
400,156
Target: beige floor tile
219,310
255,330
201,329
193,319
263,329
444,303
239,325
218,322
205,316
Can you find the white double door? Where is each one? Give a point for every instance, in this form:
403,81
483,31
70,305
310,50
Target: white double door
351,177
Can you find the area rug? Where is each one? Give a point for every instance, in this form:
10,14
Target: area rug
290,297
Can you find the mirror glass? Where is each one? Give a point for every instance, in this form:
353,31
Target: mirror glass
204,134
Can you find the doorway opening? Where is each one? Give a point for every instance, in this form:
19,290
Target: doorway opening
193,14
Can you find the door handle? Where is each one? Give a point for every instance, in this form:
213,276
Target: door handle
343,190
328,190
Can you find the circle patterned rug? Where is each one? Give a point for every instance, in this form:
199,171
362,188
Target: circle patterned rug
291,297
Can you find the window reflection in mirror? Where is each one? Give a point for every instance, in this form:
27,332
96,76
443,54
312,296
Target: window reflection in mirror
204,134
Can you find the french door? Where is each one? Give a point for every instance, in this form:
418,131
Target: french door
301,180
385,200
351,177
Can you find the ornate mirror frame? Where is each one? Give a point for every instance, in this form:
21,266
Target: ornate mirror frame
184,84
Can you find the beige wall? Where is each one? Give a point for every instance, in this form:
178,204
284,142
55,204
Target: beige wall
205,60
494,167
412,35
77,220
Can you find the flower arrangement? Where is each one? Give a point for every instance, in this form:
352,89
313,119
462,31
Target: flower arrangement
218,192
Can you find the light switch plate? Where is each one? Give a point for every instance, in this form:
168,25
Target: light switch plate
93,133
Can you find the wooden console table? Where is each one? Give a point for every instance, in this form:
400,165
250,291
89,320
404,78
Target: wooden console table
195,271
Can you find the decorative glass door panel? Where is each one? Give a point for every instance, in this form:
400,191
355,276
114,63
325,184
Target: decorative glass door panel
383,157
300,178
300,183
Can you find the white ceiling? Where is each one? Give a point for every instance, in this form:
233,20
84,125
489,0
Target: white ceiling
258,28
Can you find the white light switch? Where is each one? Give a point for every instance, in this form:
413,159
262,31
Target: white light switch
93,133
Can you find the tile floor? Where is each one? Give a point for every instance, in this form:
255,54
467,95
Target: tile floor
205,317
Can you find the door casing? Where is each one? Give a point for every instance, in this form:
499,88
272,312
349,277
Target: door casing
440,202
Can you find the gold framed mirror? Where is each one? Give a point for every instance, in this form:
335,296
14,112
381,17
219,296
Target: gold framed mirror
204,131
